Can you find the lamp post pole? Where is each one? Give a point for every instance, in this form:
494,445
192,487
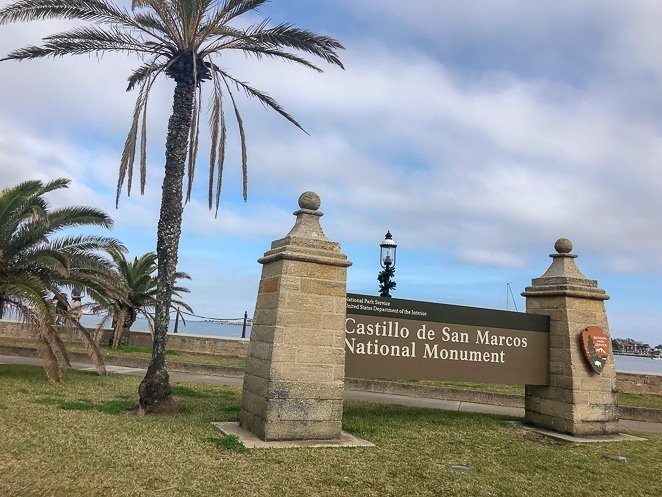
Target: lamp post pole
387,261
243,329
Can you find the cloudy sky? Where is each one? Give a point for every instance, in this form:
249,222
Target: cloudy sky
477,132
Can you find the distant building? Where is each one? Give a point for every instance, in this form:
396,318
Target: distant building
630,346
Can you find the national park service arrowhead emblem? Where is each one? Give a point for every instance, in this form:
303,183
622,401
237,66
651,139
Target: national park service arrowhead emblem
596,347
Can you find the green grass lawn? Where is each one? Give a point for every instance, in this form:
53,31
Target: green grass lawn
75,439
176,355
482,387
639,400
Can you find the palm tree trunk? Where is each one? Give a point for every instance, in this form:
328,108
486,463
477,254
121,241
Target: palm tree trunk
127,316
154,390
130,318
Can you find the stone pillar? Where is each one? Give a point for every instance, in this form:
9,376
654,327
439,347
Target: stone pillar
577,401
295,366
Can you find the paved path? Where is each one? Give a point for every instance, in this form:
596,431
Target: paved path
380,398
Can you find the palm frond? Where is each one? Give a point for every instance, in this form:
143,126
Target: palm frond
51,259
219,131
227,12
143,149
234,8
53,185
147,76
288,35
152,23
183,304
264,99
25,201
214,123
30,291
142,73
102,324
180,275
242,136
258,52
92,348
88,10
78,216
194,137
51,365
85,40
22,312
150,323
57,345
221,161
165,16
129,152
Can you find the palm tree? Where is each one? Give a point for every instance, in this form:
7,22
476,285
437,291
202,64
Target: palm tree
34,265
139,293
183,39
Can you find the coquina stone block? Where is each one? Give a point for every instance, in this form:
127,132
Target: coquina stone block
577,400
294,377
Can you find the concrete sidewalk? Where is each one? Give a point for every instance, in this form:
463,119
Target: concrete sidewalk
380,398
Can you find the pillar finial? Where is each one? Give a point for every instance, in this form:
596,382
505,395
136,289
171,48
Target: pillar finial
563,246
310,201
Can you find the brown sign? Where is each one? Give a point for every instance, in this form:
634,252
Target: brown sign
595,344
403,339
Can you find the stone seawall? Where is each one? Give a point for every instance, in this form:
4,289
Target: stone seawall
639,383
227,347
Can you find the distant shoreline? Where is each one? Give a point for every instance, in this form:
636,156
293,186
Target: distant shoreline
629,354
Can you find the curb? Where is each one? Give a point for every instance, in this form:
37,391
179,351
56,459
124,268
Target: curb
439,393
640,414
18,351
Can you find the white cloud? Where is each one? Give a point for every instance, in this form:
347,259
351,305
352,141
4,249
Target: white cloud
255,220
492,166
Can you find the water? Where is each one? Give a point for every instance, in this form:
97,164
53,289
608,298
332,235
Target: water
191,328
635,364
624,363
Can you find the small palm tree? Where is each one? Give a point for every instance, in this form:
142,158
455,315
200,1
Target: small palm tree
184,40
139,295
34,265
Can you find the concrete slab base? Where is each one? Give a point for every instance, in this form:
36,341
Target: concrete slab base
116,370
250,441
619,437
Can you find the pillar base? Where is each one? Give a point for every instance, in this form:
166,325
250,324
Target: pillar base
570,427
613,437
251,441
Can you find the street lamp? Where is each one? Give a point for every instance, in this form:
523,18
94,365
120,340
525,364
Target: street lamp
387,260
387,253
